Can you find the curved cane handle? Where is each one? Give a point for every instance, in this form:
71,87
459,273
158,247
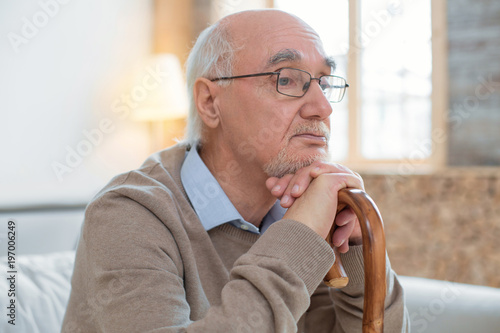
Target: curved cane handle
372,231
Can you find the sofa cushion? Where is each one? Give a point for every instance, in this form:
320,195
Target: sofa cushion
439,306
42,286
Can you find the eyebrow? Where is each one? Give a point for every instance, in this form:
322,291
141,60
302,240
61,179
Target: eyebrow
284,55
330,62
292,55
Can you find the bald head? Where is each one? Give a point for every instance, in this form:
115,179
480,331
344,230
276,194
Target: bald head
253,22
261,36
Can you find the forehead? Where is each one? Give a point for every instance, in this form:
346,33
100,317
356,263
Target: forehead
270,39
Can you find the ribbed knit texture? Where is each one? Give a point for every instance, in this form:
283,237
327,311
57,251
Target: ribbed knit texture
145,263
310,267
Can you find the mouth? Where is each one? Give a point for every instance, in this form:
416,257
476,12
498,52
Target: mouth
315,138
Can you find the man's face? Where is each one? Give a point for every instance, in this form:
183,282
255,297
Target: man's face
278,133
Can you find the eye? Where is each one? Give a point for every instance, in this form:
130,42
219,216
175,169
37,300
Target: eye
324,87
306,86
284,81
324,84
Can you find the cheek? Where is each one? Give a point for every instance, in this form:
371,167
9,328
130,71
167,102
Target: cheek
278,123
273,131
259,119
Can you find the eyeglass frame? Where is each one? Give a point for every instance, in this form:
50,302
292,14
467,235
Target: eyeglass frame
277,81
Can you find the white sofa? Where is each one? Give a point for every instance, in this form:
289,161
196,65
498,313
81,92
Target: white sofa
43,284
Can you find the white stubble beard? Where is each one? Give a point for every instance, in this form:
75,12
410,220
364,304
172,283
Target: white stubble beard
286,162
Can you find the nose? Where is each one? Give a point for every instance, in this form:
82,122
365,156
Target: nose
316,105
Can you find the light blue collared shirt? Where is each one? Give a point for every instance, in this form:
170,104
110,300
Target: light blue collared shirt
211,203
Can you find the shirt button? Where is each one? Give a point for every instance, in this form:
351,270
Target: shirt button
244,227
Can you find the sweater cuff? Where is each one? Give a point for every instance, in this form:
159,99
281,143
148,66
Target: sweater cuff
354,265
305,252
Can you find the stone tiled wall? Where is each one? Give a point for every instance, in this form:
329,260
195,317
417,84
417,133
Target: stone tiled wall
442,226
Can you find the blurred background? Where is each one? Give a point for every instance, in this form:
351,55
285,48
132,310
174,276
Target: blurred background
91,88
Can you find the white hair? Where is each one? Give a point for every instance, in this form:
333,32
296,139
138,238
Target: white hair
211,56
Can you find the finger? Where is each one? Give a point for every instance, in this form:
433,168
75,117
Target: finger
345,180
296,187
299,183
287,200
279,185
288,189
302,178
341,234
322,167
360,178
356,237
344,247
337,181
271,182
345,216
347,220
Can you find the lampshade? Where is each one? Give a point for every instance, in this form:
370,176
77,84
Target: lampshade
164,90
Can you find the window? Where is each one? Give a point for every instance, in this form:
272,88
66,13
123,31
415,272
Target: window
385,50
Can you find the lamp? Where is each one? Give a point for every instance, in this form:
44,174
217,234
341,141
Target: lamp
165,95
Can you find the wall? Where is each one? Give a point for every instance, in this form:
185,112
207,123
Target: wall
443,226
474,82
66,67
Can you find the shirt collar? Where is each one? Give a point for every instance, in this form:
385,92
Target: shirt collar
209,201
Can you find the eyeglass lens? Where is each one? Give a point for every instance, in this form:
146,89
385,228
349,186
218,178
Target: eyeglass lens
294,82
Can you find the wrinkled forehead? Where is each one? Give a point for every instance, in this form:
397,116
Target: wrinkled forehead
273,37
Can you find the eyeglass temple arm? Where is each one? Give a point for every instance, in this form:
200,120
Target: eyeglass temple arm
346,86
243,76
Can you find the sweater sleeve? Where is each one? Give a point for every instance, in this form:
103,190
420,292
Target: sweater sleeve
341,310
270,286
124,281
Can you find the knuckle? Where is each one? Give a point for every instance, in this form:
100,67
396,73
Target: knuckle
338,166
318,163
323,165
284,180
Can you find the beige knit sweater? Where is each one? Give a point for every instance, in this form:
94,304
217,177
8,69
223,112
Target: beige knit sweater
145,264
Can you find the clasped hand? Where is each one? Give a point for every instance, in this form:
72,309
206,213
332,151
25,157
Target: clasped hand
311,196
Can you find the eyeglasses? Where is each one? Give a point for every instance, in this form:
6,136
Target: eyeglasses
295,83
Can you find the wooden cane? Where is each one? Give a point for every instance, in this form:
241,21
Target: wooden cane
372,231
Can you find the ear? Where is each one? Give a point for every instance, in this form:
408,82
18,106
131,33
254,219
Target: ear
205,96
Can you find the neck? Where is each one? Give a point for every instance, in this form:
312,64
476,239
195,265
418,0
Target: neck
243,183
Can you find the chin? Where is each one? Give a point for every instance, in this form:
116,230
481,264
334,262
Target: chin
286,162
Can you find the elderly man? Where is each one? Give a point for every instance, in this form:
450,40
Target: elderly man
196,240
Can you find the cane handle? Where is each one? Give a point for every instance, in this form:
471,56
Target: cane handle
372,231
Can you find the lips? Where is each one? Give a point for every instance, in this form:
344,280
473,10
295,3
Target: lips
314,137
315,132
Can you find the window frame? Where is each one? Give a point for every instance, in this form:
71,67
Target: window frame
439,100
